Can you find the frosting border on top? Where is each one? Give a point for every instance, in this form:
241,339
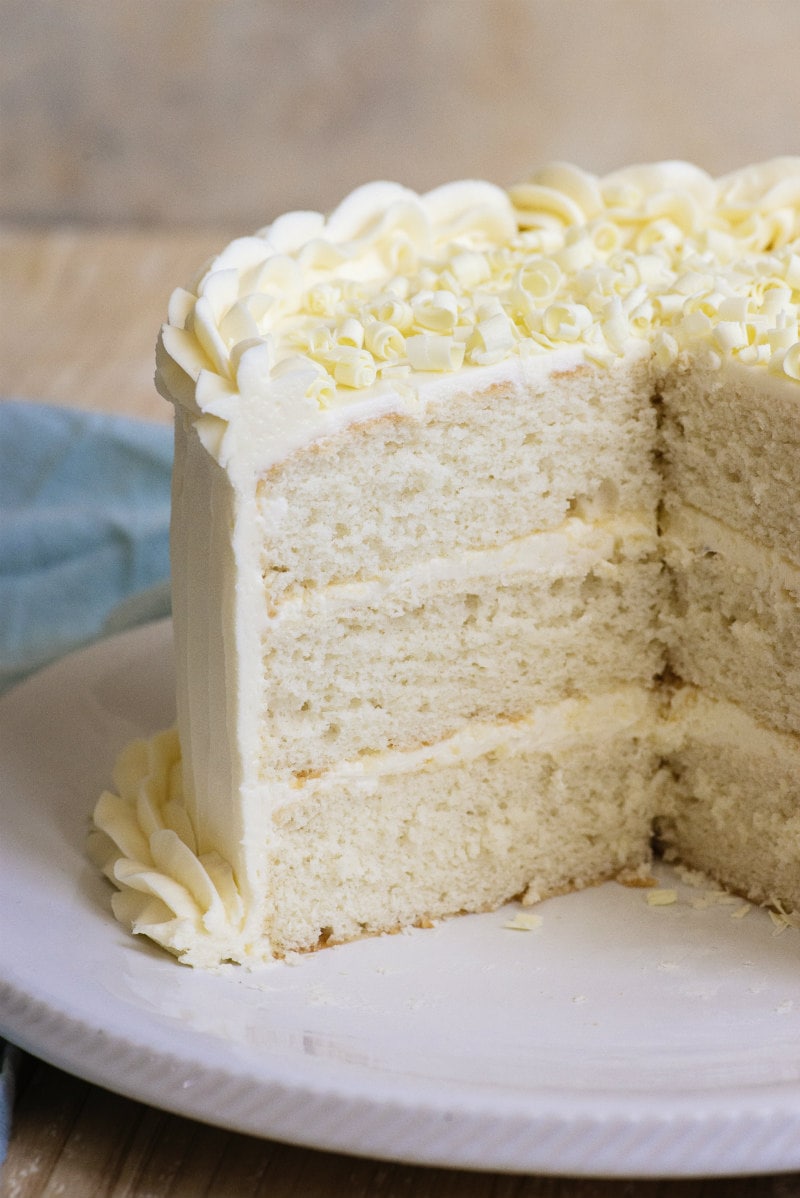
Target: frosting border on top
356,313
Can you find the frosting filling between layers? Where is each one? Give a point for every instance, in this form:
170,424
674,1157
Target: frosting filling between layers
733,623
573,548
354,668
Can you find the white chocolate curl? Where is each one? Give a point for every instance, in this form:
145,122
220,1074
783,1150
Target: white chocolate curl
791,361
430,351
394,283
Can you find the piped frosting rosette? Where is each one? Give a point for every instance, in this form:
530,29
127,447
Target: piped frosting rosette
145,844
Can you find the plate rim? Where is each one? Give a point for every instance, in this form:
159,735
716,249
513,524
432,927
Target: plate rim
447,1124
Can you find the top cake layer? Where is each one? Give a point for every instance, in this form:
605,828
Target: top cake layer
313,322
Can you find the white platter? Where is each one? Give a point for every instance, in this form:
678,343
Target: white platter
616,1039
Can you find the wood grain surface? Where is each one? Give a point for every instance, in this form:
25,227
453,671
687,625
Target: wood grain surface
80,315
72,1139
81,312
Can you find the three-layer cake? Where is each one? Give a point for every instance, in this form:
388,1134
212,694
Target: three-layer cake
485,560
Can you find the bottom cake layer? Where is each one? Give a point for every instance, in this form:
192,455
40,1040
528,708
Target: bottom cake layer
534,807
528,812
559,800
730,804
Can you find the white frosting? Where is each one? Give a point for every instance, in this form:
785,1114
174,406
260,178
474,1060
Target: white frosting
695,715
570,722
572,550
145,843
682,524
312,323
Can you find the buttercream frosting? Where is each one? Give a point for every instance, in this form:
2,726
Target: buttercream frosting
357,310
145,843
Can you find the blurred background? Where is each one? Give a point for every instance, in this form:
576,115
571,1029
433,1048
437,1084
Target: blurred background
201,112
185,122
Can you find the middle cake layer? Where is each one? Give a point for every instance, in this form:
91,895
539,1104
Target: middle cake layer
409,658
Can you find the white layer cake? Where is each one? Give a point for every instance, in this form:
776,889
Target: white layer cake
485,560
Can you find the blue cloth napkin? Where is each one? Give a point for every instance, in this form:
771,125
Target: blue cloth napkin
84,516
84,547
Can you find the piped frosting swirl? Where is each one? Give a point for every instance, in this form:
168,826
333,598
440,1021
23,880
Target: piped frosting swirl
394,286
144,842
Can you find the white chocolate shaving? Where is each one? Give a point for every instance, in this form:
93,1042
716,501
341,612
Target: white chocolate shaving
661,898
661,253
430,351
522,922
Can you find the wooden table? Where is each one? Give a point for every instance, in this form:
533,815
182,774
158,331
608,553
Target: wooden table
79,317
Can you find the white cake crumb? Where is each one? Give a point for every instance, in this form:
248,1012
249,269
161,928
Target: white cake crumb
725,897
787,919
691,877
713,898
661,898
641,876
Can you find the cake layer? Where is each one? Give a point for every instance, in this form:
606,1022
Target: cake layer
731,436
541,805
731,806
548,805
480,467
733,625
487,634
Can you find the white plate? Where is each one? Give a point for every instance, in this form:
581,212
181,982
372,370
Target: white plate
617,1039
